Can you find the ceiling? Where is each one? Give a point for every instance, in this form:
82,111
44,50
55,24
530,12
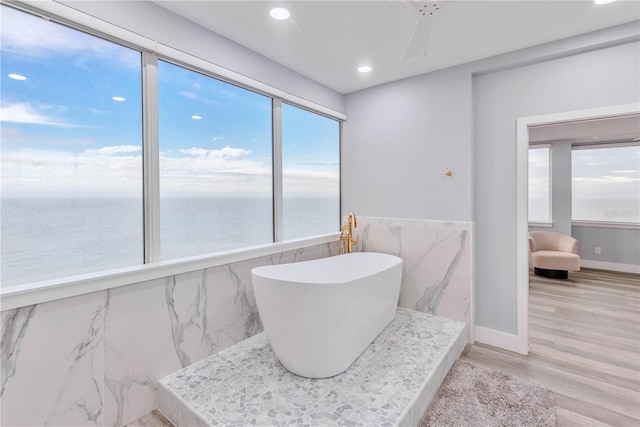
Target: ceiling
608,129
327,40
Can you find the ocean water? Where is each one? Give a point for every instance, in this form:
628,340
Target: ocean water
47,238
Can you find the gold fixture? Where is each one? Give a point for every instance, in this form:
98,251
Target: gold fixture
346,235
448,172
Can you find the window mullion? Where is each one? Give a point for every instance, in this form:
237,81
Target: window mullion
151,159
277,170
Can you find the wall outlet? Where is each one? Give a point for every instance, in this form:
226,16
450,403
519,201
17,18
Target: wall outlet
598,250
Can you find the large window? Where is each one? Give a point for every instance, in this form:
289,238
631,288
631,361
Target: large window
606,183
85,190
539,185
311,171
70,151
215,164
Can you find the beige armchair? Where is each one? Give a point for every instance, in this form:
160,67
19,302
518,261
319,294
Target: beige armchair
553,254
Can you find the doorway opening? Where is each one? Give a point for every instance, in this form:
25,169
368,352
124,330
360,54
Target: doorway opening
524,125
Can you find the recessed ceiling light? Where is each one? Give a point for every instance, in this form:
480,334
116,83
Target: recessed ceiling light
17,77
602,1
279,13
196,117
595,137
364,69
118,98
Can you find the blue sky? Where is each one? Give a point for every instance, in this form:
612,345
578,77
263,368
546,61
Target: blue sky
63,131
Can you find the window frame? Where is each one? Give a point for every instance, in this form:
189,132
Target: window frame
152,51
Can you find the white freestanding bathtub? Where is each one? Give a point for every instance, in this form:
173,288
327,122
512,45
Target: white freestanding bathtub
320,315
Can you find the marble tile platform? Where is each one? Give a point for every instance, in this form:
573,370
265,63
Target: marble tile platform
391,383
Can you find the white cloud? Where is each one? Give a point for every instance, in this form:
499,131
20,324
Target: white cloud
634,171
187,94
223,153
605,179
118,149
117,170
14,135
24,112
42,172
196,97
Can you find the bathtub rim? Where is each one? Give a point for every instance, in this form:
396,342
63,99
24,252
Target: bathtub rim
327,260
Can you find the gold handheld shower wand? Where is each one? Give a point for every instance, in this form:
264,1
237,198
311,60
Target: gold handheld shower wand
346,235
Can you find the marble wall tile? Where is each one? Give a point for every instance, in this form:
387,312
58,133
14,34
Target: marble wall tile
231,314
437,270
96,359
151,329
304,254
52,363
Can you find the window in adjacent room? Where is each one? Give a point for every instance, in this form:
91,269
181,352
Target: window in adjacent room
539,184
215,164
311,173
606,183
70,151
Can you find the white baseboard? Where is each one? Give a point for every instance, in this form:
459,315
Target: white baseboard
612,266
501,340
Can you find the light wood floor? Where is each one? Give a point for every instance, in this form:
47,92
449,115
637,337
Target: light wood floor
584,336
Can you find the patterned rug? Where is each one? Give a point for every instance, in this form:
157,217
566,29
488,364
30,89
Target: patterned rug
475,396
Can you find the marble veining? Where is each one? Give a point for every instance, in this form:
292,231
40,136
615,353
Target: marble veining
430,299
53,363
245,384
86,366
193,317
14,326
437,275
249,311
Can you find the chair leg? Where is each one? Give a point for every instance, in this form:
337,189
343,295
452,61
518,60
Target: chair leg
551,274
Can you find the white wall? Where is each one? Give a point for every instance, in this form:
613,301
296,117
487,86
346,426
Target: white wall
397,142
561,187
619,246
400,136
593,79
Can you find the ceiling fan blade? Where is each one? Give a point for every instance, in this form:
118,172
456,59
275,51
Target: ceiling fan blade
427,12
419,42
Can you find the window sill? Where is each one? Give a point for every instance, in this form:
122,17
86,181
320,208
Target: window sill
606,224
541,224
39,292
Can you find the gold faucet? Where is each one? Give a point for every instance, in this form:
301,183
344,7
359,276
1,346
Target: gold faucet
346,236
